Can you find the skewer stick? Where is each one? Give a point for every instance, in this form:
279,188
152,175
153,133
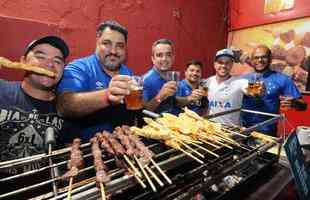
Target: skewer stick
70,188
137,178
135,175
154,175
190,148
227,139
103,197
190,155
146,175
161,171
209,143
132,166
207,150
221,143
233,132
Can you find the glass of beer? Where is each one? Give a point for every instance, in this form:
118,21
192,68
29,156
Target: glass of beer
203,86
256,88
173,76
134,101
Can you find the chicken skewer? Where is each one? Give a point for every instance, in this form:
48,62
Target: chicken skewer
148,153
144,153
174,144
119,133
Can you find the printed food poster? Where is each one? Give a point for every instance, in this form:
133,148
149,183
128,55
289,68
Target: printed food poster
289,42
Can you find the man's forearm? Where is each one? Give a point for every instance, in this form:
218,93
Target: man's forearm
152,104
78,104
182,101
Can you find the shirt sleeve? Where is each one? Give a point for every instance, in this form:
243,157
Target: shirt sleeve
147,91
290,89
244,84
75,79
180,90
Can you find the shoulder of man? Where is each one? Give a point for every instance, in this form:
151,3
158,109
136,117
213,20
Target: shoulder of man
149,75
210,79
7,86
9,91
82,63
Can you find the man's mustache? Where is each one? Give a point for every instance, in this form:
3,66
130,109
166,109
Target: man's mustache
112,54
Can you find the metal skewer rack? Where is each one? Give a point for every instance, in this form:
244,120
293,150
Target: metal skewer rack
180,168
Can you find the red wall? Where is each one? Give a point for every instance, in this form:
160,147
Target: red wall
197,27
247,13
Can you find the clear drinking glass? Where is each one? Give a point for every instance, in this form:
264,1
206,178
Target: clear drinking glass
173,76
134,101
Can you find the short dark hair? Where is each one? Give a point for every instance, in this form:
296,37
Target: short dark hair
194,62
162,41
114,25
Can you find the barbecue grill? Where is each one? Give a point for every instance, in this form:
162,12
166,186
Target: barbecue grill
216,177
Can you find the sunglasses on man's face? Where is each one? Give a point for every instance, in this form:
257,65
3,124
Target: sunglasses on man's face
256,58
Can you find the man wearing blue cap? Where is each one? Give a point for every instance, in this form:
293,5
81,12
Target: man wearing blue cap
224,91
27,108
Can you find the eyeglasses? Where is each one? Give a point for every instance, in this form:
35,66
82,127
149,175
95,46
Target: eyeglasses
265,57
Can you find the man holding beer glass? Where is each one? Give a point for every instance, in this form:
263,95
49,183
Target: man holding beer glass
276,90
93,88
134,100
225,92
192,92
158,88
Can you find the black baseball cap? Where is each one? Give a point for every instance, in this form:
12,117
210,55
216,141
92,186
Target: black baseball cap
54,41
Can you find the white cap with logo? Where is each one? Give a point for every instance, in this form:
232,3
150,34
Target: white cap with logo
224,52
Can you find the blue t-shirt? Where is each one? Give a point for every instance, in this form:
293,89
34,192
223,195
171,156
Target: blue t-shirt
152,83
184,89
85,75
276,84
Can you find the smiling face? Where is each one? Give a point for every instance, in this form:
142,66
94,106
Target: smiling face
261,59
193,73
111,49
48,57
163,57
223,66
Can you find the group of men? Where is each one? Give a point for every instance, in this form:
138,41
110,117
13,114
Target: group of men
87,96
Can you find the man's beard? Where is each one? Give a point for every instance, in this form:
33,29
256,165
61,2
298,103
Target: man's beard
111,66
261,70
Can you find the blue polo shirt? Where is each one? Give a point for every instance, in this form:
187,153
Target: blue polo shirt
152,83
85,75
276,84
184,89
